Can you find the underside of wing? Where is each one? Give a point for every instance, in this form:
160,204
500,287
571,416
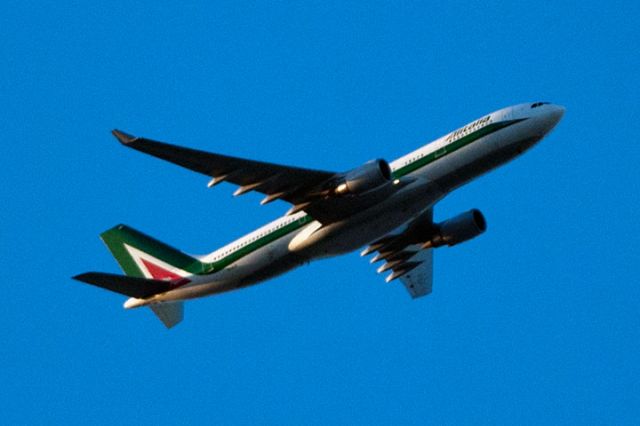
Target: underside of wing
419,280
295,185
403,256
326,196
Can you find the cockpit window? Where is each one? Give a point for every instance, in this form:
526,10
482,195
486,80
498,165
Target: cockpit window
537,104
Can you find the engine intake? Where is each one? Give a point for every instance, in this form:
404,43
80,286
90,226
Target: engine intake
370,175
458,229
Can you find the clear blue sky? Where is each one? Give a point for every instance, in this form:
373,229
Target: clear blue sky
537,321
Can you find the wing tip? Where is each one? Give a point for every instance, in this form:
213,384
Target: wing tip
123,138
83,277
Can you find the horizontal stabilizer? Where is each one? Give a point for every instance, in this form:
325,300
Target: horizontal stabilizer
123,137
170,313
140,288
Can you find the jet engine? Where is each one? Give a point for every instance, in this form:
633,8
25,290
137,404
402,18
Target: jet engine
370,175
458,229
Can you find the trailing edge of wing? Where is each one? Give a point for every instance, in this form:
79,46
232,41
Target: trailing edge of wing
140,288
293,184
404,258
419,281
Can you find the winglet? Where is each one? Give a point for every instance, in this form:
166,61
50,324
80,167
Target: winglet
123,137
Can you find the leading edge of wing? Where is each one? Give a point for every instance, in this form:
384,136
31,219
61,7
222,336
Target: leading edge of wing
291,184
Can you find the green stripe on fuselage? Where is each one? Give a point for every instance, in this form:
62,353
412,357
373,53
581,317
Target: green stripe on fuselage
255,245
117,237
453,146
196,267
409,168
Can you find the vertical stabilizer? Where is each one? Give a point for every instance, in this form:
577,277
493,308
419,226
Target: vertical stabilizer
142,256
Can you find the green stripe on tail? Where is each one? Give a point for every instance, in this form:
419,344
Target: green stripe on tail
116,238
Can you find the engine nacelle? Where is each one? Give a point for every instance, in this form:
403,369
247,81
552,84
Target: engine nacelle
458,229
370,175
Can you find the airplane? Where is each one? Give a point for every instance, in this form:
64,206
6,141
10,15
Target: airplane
387,207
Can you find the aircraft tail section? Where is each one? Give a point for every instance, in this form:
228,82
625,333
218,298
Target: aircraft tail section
151,267
142,256
139,288
170,313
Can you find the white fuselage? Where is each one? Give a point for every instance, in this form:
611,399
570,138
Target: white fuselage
422,178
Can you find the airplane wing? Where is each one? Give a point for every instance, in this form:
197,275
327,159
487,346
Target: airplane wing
293,184
403,256
419,280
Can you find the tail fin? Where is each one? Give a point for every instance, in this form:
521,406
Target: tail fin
151,267
145,257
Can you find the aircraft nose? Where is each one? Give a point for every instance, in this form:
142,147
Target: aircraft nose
556,112
552,117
